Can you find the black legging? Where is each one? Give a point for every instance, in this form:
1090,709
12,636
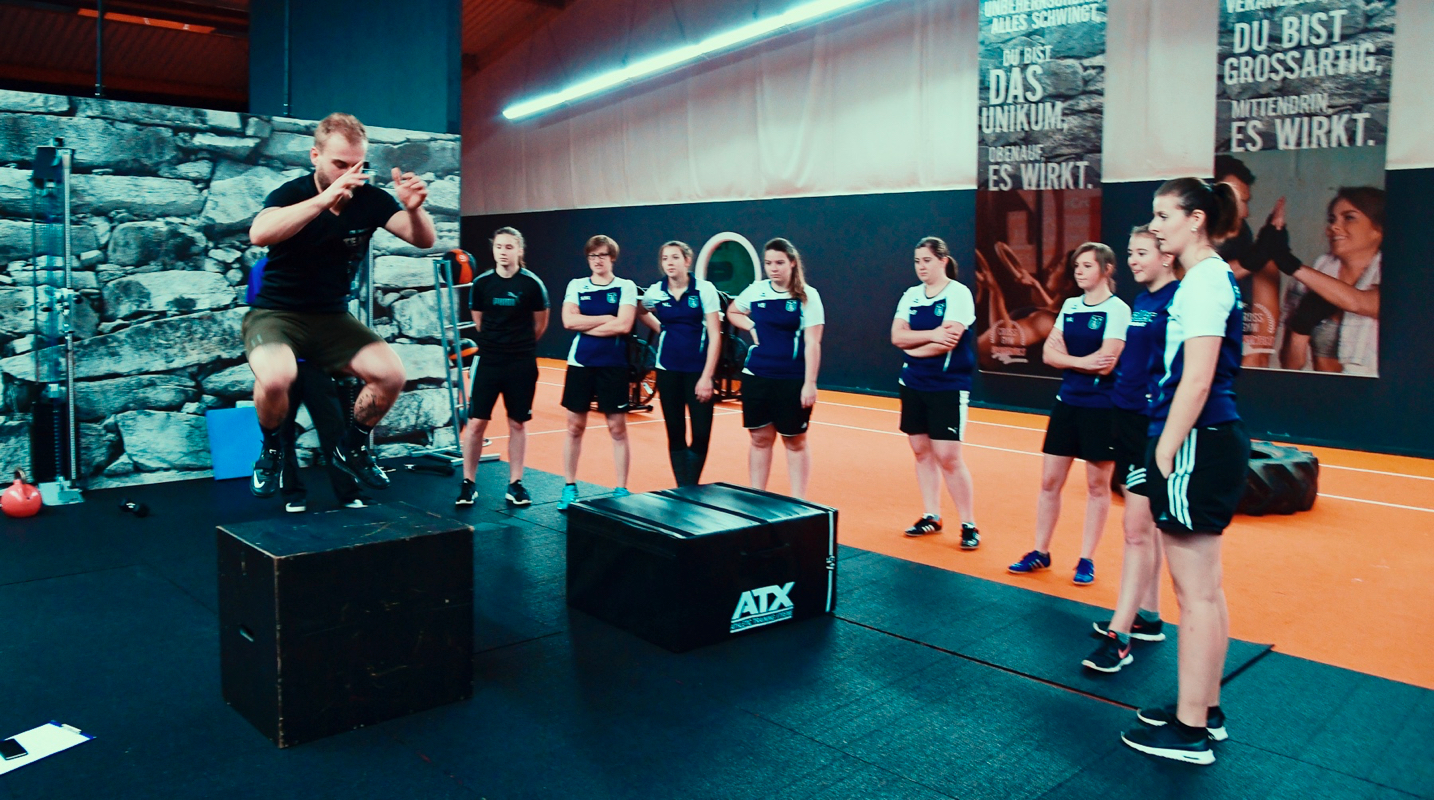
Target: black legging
677,392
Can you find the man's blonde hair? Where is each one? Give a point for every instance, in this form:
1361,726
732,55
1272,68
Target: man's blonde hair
346,125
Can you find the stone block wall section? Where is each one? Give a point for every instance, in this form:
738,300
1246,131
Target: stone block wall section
163,198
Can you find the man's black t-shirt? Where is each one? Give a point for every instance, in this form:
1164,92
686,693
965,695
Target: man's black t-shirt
312,270
507,306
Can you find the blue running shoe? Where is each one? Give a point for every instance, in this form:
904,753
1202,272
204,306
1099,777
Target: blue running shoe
1034,561
570,494
621,491
1085,572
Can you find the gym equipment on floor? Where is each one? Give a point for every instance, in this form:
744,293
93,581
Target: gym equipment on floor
1280,480
697,565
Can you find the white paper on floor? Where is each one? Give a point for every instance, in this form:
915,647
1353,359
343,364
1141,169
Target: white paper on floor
46,740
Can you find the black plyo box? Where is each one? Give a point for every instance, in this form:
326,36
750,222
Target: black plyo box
333,621
697,565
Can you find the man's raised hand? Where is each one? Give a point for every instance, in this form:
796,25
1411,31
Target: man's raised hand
412,191
341,191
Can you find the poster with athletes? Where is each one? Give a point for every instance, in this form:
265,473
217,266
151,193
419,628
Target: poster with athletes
1042,101
1303,108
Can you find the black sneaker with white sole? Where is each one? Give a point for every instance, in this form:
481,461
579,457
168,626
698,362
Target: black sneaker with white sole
517,495
1175,742
1162,717
1141,628
1110,656
359,464
265,480
970,537
467,493
296,505
927,524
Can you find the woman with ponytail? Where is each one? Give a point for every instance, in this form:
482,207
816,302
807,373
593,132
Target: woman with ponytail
931,328
1196,459
686,314
779,387
1085,343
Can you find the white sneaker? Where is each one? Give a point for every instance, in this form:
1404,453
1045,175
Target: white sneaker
358,502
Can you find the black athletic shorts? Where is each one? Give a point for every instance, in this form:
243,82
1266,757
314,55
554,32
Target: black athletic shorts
1129,432
608,385
328,341
1204,488
515,377
1080,432
774,401
939,415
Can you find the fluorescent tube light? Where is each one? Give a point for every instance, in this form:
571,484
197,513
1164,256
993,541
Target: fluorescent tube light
797,15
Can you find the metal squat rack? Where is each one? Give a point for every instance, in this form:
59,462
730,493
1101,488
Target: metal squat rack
451,326
54,296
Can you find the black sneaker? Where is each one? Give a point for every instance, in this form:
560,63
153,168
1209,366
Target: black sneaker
1162,717
467,493
1110,656
265,480
1141,629
296,505
358,463
927,524
970,537
517,495
1177,742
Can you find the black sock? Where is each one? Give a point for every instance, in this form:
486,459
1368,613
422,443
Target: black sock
271,438
358,434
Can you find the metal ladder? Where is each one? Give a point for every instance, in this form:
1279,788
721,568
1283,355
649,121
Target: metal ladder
451,326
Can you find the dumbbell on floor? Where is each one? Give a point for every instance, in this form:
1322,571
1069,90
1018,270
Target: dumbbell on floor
131,507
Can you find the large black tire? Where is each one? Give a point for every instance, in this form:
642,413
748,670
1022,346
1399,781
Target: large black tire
1280,480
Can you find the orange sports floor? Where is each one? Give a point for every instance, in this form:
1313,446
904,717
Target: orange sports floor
1347,583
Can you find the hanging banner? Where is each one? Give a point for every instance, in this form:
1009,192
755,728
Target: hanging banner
1303,110
1042,103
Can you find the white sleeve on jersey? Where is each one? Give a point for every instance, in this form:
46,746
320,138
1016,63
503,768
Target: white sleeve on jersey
1203,305
571,295
903,306
743,301
960,305
812,312
1117,318
652,296
1065,309
627,293
710,302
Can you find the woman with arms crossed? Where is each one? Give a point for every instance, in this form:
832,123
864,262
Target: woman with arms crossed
1137,610
931,327
1196,460
685,312
601,308
779,386
1086,343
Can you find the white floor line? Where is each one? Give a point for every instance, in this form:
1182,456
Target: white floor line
1324,496
968,422
1378,472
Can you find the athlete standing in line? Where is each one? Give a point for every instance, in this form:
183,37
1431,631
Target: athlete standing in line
1196,460
779,387
317,228
686,313
1137,609
931,328
601,309
1086,343
510,313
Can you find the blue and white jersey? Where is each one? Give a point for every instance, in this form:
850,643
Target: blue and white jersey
780,319
682,345
1142,362
950,371
1085,328
1206,304
596,300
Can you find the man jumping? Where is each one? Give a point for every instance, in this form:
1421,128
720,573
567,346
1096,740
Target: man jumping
317,228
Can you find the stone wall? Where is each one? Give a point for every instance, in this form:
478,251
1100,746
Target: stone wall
162,200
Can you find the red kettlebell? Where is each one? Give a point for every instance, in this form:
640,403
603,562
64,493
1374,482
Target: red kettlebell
21,499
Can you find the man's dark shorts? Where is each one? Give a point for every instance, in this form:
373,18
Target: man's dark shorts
328,341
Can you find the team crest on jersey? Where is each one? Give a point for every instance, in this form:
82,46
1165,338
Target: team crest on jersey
940,309
791,305
612,297
1096,320
692,301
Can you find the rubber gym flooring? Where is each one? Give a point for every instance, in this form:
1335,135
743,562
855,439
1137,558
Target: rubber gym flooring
936,679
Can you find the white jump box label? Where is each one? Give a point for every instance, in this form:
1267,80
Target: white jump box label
764,606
